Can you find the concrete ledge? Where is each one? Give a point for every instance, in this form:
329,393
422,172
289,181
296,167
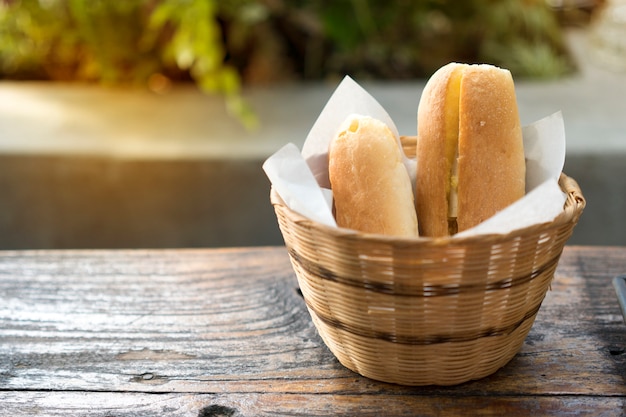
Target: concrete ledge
74,119
83,166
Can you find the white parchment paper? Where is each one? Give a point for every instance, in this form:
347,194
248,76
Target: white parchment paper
301,178
293,180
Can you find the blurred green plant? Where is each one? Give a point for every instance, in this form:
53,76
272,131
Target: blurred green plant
222,45
408,39
117,42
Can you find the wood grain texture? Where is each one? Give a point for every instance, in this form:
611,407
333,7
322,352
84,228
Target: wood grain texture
201,332
91,404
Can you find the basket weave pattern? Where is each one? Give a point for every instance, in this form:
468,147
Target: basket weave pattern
425,311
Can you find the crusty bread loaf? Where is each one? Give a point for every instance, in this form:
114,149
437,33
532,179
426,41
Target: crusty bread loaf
372,189
470,155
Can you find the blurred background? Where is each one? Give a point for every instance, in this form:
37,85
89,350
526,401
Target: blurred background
144,123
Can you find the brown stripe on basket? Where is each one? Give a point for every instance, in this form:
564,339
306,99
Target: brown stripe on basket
425,340
417,291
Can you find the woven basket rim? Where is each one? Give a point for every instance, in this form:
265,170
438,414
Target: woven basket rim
572,209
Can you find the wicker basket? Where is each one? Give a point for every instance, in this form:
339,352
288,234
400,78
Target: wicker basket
425,311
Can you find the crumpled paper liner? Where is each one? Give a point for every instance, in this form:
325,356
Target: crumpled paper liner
301,178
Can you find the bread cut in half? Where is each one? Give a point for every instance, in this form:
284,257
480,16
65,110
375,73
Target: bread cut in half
371,187
470,154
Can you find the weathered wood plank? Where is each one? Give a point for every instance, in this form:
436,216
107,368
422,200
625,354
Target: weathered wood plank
89,404
231,322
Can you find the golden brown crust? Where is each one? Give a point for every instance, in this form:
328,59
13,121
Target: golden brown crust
433,167
491,167
371,187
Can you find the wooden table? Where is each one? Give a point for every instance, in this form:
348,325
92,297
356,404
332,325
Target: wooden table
226,333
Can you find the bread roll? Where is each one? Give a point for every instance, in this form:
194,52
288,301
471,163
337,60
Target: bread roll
371,187
470,155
